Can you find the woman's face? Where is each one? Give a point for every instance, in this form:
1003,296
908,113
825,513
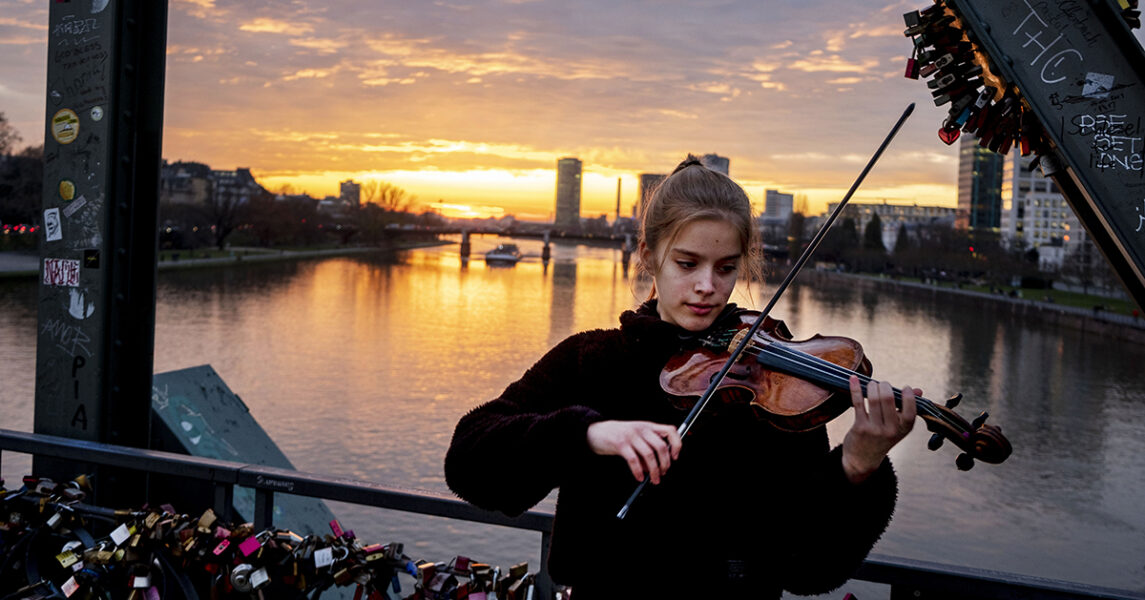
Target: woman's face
696,273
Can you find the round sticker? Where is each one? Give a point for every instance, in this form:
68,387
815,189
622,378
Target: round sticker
97,113
67,190
65,126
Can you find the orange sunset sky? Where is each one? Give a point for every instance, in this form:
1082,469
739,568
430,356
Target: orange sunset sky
472,102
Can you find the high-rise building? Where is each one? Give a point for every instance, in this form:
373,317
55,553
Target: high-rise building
568,193
351,192
979,187
648,183
777,205
1036,216
716,162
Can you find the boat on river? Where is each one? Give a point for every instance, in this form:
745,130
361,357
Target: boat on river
503,254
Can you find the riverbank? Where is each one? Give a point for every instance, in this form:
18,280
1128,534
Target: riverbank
1102,322
1116,327
27,264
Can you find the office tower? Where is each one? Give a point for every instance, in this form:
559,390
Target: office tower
716,162
979,187
648,183
568,193
1036,216
778,205
351,192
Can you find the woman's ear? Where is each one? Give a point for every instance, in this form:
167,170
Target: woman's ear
646,258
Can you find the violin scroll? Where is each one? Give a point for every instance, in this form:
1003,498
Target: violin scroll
976,439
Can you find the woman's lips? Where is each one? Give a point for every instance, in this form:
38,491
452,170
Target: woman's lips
700,309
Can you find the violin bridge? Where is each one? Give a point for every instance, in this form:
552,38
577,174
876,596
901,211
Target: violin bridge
736,339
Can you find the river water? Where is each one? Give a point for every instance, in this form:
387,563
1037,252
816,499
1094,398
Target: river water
359,367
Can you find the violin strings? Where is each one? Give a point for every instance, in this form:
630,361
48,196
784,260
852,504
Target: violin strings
836,375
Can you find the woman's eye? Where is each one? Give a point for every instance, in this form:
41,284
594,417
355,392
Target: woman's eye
685,264
728,269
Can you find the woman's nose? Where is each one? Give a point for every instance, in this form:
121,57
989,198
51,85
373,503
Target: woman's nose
704,282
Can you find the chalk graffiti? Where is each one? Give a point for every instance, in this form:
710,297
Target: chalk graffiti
160,398
70,25
67,337
71,57
1033,26
1114,145
1140,216
1072,13
84,229
80,416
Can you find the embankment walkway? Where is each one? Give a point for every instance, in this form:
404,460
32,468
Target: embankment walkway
27,264
1101,322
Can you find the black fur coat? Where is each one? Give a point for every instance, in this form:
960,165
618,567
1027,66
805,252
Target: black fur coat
772,507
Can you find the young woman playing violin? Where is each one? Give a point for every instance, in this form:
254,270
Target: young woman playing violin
743,508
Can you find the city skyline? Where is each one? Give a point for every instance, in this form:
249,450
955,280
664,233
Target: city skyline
471,104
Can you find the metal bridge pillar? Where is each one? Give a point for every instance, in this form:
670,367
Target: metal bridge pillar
102,154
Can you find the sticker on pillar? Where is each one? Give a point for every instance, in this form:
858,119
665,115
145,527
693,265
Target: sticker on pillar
67,190
63,272
71,209
53,230
65,126
1097,85
91,258
98,5
97,113
77,307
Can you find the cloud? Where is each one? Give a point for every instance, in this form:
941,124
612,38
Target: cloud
196,8
833,63
22,40
268,25
511,84
322,45
23,23
311,74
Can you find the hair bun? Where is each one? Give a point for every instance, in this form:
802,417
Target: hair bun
690,161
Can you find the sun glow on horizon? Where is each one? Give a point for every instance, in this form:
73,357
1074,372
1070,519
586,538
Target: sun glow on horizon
531,194
466,211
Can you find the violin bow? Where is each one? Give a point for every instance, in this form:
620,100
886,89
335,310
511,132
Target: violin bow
798,266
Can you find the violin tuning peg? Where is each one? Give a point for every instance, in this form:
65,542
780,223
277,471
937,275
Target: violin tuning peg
979,420
964,462
935,442
954,400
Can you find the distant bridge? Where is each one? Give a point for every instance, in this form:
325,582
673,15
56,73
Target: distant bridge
772,251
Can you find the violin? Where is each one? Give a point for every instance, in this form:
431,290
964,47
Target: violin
798,373
801,385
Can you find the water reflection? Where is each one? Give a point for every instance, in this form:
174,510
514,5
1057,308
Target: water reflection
562,307
360,367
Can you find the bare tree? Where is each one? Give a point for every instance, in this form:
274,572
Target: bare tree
21,185
801,205
386,195
8,135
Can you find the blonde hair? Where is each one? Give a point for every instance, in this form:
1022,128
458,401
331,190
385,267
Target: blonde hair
693,193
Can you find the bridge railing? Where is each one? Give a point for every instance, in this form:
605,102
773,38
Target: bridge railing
907,578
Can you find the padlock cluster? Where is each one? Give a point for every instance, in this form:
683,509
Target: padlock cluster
48,550
1130,13
979,101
